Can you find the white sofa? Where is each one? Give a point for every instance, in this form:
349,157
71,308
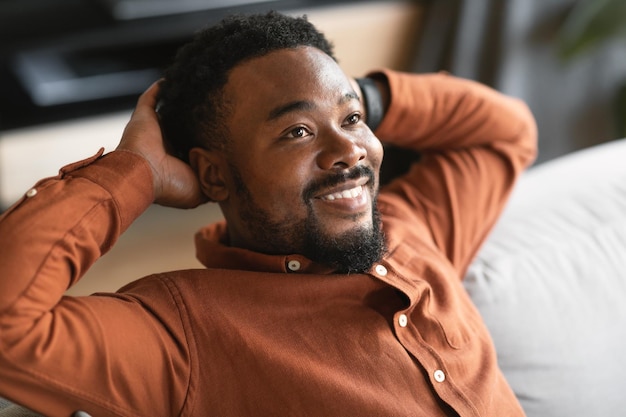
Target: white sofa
550,283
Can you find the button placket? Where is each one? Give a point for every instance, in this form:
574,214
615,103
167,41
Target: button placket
382,271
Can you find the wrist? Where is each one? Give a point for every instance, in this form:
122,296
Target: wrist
375,95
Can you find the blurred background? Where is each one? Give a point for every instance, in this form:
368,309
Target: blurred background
71,70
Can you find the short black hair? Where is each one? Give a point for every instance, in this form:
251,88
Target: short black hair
191,105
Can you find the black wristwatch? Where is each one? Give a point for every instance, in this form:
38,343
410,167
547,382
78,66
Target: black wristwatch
373,102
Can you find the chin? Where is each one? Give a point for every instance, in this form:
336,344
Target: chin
353,248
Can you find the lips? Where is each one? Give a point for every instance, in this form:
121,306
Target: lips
347,190
350,189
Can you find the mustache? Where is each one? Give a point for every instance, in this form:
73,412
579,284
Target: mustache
338,178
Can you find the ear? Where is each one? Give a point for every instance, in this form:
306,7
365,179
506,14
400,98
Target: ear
209,166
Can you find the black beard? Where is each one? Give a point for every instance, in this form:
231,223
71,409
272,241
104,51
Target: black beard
355,251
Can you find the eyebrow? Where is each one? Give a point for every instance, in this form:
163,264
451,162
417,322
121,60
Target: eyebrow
289,108
303,105
349,96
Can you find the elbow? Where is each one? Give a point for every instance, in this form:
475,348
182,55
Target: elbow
526,135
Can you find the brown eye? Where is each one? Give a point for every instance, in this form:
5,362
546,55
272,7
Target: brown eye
298,132
354,118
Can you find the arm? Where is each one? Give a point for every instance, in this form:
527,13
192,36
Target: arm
59,354
474,142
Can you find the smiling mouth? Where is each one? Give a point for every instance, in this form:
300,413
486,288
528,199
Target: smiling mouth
351,193
346,190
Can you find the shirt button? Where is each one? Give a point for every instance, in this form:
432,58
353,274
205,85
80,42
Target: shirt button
439,375
293,265
403,320
381,270
31,193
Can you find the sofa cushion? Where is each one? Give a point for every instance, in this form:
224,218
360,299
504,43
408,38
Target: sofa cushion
8,409
550,283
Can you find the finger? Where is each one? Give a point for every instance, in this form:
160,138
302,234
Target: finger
149,97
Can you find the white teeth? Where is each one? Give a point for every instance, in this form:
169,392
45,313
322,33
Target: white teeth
352,193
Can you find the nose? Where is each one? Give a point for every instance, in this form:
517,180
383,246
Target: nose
340,150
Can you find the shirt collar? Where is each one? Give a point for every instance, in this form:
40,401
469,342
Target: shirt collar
213,251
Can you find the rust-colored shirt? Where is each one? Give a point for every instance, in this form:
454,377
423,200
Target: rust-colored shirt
259,335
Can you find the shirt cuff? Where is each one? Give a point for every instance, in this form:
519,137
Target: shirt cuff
126,176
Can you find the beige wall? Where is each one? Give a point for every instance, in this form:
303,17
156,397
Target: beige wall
374,35
379,34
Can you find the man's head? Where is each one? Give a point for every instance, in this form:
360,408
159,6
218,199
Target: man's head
192,106
286,153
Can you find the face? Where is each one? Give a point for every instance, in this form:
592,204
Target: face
302,166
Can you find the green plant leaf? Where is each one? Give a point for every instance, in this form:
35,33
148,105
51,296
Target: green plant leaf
590,23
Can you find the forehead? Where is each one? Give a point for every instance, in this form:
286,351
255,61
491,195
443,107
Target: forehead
303,73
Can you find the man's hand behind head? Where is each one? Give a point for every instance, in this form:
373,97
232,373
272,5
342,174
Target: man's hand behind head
175,183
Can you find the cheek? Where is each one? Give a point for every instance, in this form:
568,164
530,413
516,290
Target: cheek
278,186
375,151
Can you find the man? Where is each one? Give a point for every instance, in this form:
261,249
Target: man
322,295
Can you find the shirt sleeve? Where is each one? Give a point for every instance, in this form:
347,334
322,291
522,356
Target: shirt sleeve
61,354
474,142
